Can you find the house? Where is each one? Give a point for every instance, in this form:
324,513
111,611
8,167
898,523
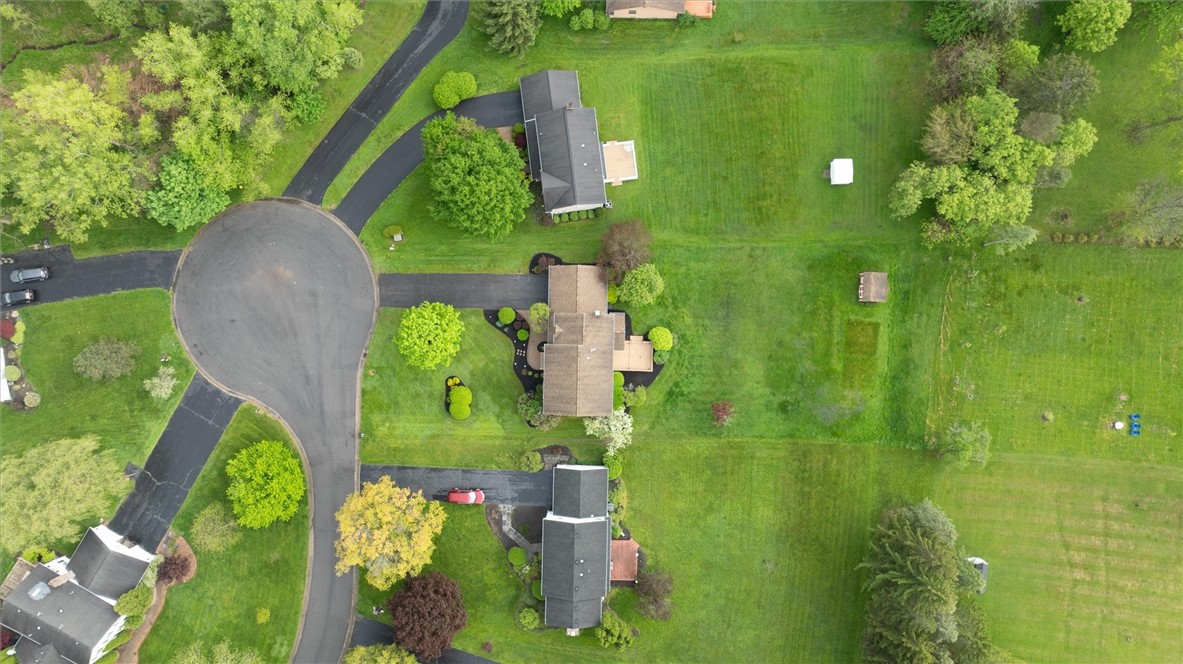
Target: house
841,171
585,344
668,9
64,611
575,548
563,143
872,287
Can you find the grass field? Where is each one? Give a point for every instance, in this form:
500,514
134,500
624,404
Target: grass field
265,569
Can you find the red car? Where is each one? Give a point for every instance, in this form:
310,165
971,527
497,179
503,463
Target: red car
466,496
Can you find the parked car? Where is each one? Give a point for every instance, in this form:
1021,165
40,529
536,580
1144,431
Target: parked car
13,298
26,274
466,496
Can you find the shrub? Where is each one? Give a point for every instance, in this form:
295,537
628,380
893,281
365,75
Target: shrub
539,316
174,569
617,379
616,430
642,285
951,20
214,529
602,22
391,231
523,334
636,397
32,400
530,408
161,386
1083,238
529,618
615,465
506,315
536,589
12,373
37,554
453,88
18,334
460,411
963,444
654,590
530,461
722,411
617,530
134,602
662,338
613,294
307,106
517,556
584,20
614,631
7,328
122,637
617,397
352,57
1057,236
660,357
106,359
262,615
686,20
1069,238
266,484
519,128
461,396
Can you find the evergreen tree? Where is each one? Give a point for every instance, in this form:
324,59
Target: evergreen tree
512,25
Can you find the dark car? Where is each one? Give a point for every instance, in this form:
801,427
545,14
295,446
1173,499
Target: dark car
15,297
26,274
466,496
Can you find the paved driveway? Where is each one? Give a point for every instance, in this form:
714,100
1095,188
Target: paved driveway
439,25
71,278
463,291
368,632
276,301
501,487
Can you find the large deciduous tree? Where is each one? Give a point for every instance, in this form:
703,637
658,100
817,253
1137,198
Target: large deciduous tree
511,25
294,45
71,155
1151,214
388,530
266,484
476,177
379,654
426,614
962,443
624,247
429,335
1092,25
642,285
1062,84
184,199
51,489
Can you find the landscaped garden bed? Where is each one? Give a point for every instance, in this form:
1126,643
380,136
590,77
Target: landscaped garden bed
529,377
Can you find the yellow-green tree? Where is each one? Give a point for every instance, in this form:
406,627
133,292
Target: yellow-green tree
388,530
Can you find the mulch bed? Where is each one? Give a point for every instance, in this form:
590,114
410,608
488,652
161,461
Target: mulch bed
528,377
637,378
539,262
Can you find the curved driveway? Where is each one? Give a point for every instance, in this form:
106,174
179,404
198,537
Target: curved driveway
275,300
439,25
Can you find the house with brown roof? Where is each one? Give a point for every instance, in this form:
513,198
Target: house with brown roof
585,344
667,9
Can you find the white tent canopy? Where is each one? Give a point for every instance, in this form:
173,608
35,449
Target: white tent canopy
842,171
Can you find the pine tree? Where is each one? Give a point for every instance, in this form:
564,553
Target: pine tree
512,25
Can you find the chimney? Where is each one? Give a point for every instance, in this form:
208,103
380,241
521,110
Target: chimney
61,579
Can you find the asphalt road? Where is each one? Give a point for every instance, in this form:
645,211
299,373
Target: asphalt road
368,632
276,301
70,277
396,163
501,487
463,291
439,25
193,431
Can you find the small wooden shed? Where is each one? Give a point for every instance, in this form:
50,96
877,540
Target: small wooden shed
872,287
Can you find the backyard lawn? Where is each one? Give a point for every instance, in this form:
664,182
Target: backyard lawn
265,569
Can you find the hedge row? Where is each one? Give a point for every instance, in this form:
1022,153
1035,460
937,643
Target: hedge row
578,216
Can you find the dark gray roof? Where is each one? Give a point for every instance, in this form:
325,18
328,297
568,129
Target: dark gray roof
580,492
103,571
69,617
570,158
548,90
574,570
29,651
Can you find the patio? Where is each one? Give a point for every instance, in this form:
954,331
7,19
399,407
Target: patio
620,162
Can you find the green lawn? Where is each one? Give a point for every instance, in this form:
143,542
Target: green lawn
56,23
265,569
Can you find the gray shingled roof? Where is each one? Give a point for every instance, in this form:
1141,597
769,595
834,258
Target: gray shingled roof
678,6
548,90
574,571
69,617
103,571
29,651
562,140
580,492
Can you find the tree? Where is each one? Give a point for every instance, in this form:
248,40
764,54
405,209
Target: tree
183,199
161,386
174,569
967,67
119,15
654,589
476,178
530,408
539,316
948,135
266,484
642,285
1062,84
295,45
557,8
1151,214
106,359
53,488
963,443
453,88
426,614
616,429
388,530
379,654
1076,140
624,247
511,25
1166,98
429,335
1092,25
222,653
214,529
135,602
1006,17
614,631
71,158
1011,238
661,337
1163,17
951,20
